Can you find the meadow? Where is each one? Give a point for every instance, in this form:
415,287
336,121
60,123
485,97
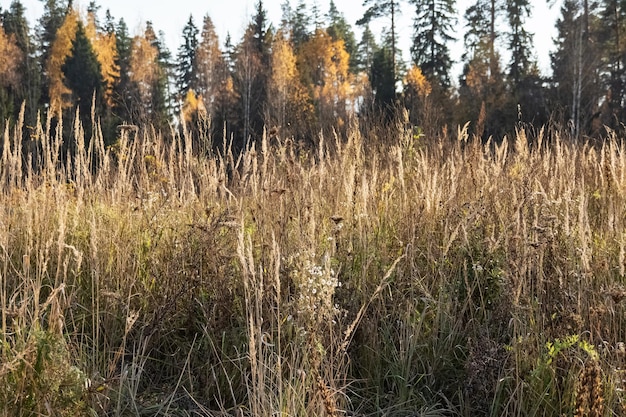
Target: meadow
376,273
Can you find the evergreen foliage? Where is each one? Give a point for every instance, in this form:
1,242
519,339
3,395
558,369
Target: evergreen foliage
143,83
186,60
83,75
519,41
432,33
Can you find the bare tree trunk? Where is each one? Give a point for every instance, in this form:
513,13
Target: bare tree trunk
577,87
393,40
492,40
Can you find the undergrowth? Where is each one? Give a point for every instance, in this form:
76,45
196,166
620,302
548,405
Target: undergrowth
393,276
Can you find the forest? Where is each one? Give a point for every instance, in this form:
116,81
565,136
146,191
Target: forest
309,73
298,223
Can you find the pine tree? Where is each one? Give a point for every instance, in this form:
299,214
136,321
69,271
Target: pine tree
385,8
433,26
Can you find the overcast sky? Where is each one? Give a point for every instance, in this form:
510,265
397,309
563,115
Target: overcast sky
233,15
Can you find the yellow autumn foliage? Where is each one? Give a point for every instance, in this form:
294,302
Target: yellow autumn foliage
11,58
324,66
104,45
287,98
416,80
143,66
193,106
284,70
61,48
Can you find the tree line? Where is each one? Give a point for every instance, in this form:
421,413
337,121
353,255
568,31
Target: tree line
309,73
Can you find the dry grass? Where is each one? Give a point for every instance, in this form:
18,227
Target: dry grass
372,275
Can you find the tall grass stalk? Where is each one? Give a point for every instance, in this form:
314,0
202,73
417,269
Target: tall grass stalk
375,274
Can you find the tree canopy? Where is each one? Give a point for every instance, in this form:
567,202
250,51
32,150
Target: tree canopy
309,72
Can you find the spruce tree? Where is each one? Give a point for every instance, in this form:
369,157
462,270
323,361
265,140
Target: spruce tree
433,27
82,72
519,41
186,60
366,49
476,40
109,22
161,105
123,93
300,28
92,10
84,79
29,90
382,78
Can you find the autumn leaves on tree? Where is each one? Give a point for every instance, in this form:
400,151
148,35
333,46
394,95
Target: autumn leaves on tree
311,73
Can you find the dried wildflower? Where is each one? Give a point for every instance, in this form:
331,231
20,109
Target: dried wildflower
316,284
327,397
590,399
617,294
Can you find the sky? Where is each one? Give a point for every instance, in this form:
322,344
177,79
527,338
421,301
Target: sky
231,16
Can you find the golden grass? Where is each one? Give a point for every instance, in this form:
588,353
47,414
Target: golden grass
387,276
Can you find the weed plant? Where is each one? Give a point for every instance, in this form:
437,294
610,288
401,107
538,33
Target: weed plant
370,275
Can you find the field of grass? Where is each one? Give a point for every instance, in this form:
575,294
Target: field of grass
378,274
